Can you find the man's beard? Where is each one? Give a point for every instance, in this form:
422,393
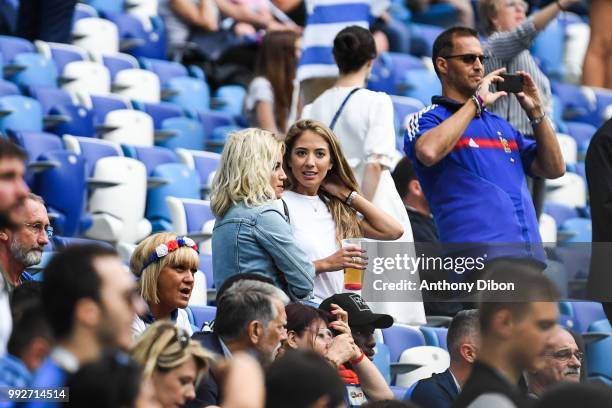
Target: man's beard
28,257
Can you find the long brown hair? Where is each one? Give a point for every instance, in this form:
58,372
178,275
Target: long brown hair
345,217
276,61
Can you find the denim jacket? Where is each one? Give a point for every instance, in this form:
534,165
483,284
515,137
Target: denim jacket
259,240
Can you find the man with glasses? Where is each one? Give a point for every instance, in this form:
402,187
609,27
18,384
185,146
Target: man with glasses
22,245
472,164
561,362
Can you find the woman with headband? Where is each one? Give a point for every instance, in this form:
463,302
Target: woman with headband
165,265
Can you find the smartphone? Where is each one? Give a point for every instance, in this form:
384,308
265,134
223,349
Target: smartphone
512,83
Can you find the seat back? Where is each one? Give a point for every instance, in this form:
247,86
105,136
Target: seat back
189,215
39,71
61,54
231,99
581,229
137,84
131,127
399,338
182,183
101,105
570,190
96,35
190,93
36,143
119,220
87,78
20,113
118,62
160,112
202,314
569,149
432,360
64,190
205,163
422,85
435,336
189,134
8,88
151,157
49,97
582,313
12,46
81,121
599,353
165,70
91,150
65,242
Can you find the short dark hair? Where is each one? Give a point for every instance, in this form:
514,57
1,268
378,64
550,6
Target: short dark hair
316,377
353,47
464,324
69,277
530,287
120,386
402,175
10,150
243,302
24,295
30,324
444,43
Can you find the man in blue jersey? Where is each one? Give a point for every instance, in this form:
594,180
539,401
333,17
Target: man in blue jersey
471,163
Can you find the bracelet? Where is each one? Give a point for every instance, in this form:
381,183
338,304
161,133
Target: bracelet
350,198
535,122
358,359
478,106
560,6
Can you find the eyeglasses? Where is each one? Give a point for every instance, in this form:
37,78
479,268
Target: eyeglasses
39,227
565,355
468,58
517,3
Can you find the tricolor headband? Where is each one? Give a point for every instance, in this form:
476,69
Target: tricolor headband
164,249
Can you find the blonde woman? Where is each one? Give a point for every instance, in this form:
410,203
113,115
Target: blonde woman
165,264
172,361
251,231
323,203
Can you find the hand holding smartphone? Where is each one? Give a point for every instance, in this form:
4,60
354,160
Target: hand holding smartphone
512,83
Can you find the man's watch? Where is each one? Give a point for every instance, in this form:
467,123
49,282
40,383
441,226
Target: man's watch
536,121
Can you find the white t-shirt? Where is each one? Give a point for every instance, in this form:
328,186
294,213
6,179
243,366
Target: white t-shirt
314,231
260,90
182,321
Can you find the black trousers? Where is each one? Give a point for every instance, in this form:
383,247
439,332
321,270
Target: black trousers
46,20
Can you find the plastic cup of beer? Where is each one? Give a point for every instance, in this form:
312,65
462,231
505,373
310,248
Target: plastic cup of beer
353,278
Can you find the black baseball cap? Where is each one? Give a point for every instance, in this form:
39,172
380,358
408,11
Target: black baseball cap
359,313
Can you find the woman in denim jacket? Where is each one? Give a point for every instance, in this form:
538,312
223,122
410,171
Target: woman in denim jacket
252,233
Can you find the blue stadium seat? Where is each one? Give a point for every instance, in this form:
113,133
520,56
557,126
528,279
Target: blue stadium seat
439,14
182,182
136,40
576,105
229,99
35,144
64,189
91,150
118,62
217,138
382,361
403,107
101,105
582,133
435,336
205,163
202,314
83,10
560,212
8,88
206,266
151,157
160,112
399,338
35,70
580,229
116,6
582,313
165,70
599,353
389,70
422,38
189,134
398,392
212,120
549,48
189,93
12,46
421,85
20,113
62,54
48,97
604,103
65,242
80,123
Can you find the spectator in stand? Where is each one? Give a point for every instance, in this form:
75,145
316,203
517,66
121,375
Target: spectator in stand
30,342
598,164
13,192
458,177
324,200
250,318
514,328
463,340
268,100
89,299
172,361
408,186
251,231
113,381
597,68
562,363
303,379
165,265
23,245
309,328
511,34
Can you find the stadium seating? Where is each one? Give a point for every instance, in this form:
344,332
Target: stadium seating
599,353
20,113
8,88
92,150
422,85
12,46
139,37
96,35
61,54
229,99
188,93
34,70
582,313
137,84
570,190
102,105
150,156
118,62
86,78
126,126
424,361
205,163
399,338
435,336
187,134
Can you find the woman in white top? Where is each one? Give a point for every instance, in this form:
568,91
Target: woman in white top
165,265
364,126
323,202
